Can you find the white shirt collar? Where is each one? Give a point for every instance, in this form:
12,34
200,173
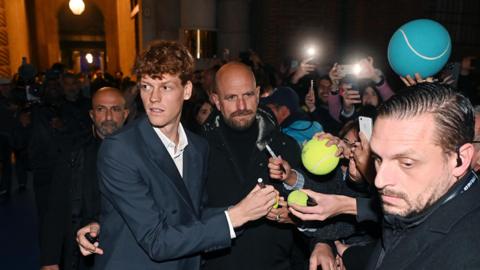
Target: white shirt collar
182,141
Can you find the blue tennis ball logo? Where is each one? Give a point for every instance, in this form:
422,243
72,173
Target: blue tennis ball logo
421,46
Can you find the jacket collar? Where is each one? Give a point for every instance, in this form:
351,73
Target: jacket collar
438,219
459,202
266,127
462,186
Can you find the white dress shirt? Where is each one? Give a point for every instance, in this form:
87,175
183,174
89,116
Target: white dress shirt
175,151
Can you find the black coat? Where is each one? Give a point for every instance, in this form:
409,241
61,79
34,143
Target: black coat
262,244
75,176
47,139
446,236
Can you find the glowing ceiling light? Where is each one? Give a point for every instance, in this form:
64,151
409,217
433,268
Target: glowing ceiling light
89,58
76,6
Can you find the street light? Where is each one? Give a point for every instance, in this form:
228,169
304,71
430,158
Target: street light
77,6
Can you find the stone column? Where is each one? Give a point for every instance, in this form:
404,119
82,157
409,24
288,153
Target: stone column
102,61
77,58
233,26
160,19
4,51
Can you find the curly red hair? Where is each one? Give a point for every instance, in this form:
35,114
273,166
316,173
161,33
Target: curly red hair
165,57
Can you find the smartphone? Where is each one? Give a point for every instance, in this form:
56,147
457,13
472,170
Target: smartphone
311,88
344,70
294,64
310,51
366,125
91,239
311,54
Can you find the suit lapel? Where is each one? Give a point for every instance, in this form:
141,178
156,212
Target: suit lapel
192,165
162,159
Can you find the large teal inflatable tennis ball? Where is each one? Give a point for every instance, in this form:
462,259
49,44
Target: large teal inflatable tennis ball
318,158
420,46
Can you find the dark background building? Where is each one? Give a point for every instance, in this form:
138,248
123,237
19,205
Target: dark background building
46,31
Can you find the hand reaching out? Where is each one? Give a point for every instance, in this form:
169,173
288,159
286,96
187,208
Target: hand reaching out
280,170
361,156
333,140
310,99
350,98
368,71
303,69
409,81
328,205
322,255
255,205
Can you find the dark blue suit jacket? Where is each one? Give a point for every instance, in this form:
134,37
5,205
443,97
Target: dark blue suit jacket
152,218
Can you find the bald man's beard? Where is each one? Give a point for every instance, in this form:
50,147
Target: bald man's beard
107,127
236,124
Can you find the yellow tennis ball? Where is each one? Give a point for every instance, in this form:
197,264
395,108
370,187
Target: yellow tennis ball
276,202
297,197
318,158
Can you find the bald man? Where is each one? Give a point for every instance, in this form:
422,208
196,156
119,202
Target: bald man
74,196
237,139
108,111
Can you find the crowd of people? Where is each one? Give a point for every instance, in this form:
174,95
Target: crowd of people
163,172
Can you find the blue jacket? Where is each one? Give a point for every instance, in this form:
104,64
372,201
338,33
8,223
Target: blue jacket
302,130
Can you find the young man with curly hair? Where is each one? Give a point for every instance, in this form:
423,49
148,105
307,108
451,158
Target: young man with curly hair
152,176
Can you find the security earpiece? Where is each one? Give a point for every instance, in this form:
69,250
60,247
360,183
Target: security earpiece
459,160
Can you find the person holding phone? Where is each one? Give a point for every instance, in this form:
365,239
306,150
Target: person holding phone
365,85
320,102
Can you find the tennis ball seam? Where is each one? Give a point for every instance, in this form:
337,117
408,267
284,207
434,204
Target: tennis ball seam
421,55
319,162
